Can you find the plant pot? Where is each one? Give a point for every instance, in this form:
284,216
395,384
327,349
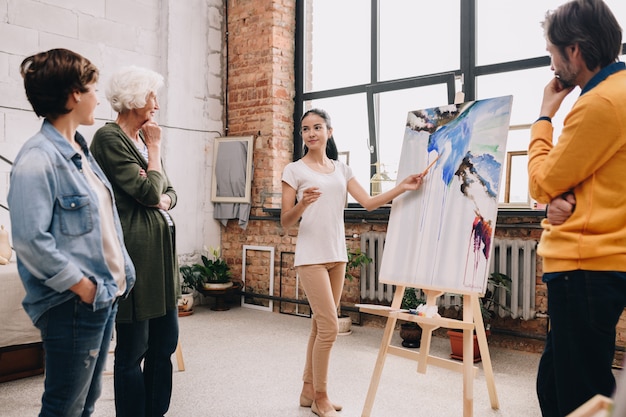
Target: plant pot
345,325
411,334
185,305
456,345
5,246
217,285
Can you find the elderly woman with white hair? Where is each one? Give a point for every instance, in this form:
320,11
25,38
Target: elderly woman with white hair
129,152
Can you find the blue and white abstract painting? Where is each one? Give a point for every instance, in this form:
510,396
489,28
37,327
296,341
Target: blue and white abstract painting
440,236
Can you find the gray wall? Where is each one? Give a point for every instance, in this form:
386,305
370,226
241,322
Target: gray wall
181,39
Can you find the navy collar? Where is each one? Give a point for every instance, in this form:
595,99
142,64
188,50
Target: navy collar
603,74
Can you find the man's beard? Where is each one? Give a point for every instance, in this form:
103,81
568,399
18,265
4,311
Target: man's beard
565,83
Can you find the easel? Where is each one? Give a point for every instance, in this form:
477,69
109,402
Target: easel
472,320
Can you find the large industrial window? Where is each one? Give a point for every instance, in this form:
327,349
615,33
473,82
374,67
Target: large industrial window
368,63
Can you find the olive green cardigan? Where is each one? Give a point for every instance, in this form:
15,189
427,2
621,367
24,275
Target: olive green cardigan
150,243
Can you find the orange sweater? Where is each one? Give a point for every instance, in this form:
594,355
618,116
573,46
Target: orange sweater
590,159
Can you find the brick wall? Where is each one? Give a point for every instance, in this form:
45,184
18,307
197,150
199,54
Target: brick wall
260,92
260,103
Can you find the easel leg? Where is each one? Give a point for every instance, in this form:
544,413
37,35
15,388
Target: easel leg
427,333
486,357
382,354
378,369
468,357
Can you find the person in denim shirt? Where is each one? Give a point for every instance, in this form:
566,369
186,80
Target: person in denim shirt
67,234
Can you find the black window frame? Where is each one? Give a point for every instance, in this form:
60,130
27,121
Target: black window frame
468,70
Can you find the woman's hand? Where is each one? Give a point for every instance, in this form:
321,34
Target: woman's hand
412,182
152,137
310,196
165,203
85,289
151,133
291,212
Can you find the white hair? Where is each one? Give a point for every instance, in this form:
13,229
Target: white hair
129,88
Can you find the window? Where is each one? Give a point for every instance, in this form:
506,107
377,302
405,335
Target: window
413,40
349,121
336,44
370,63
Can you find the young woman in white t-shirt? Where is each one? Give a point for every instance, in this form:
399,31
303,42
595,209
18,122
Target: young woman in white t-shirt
319,182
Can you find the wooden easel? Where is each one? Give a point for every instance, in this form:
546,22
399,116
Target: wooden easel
472,320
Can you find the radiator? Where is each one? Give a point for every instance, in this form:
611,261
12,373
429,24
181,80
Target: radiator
517,259
513,257
371,289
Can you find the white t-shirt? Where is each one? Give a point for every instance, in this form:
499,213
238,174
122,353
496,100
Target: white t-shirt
322,235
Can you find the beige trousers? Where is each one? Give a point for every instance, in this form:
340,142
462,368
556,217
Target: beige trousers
323,285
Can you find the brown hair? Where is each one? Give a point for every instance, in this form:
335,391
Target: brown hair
591,25
50,77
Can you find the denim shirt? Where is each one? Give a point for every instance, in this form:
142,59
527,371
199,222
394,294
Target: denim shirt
55,224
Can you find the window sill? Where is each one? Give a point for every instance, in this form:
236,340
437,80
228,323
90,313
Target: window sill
357,214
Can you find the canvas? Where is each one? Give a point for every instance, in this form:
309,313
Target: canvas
439,237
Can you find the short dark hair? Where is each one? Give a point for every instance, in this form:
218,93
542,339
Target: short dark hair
331,146
591,25
50,77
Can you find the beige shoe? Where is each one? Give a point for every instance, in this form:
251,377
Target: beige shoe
331,413
307,402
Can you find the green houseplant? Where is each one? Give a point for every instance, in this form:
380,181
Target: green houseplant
188,287
411,332
211,273
356,259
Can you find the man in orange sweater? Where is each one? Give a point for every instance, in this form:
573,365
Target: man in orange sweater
584,258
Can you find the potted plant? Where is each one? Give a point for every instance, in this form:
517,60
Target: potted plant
210,274
211,277
191,280
356,259
488,305
411,332
185,303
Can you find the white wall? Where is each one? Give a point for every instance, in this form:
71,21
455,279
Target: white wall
181,39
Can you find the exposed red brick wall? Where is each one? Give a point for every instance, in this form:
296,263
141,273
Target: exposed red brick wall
260,86
260,92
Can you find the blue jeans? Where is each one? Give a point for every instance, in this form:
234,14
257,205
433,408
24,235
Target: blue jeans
584,308
76,341
145,392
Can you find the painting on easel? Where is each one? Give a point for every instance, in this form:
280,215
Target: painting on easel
440,236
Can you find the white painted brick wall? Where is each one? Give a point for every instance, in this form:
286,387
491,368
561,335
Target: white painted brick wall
180,39
43,17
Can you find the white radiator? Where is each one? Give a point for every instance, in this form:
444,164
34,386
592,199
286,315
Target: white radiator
517,259
371,290
513,257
